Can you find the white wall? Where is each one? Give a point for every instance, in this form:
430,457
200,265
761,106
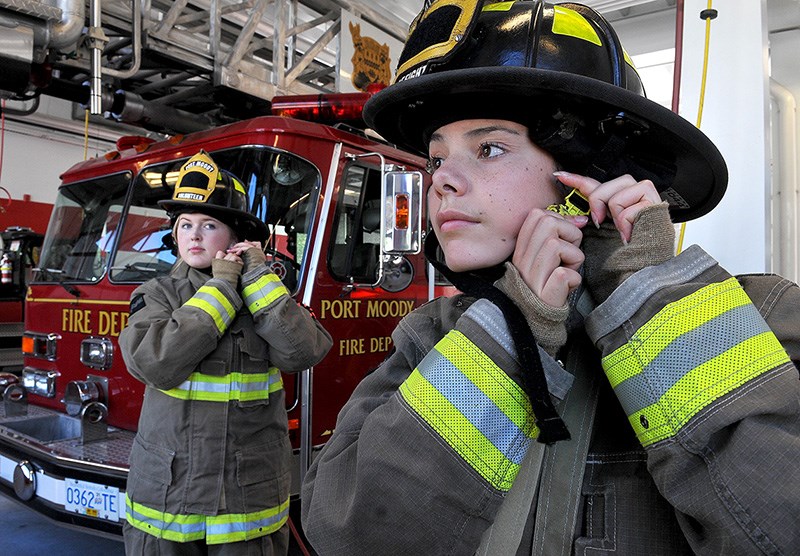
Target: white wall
785,72
735,117
37,149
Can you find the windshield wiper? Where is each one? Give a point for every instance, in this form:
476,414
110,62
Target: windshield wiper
137,267
59,276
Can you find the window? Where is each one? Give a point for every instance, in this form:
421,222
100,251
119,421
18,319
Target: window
82,229
355,248
282,188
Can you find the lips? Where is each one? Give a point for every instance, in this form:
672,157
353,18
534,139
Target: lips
452,219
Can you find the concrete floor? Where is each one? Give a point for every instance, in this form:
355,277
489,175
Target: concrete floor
26,532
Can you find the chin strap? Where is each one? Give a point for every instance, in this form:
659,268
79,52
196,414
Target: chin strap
551,427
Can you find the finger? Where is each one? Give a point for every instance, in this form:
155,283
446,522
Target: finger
642,193
625,220
621,188
557,257
238,247
559,285
219,255
245,245
586,186
541,224
614,196
626,205
539,229
601,194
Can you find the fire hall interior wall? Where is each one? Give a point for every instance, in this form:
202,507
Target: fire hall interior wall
36,151
785,90
736,117
752,58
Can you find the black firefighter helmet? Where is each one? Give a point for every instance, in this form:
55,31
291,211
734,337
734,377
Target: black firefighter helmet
203,187
558,69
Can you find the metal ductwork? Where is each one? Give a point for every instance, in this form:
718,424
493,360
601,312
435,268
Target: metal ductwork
183,66
56,24
131,108
66,32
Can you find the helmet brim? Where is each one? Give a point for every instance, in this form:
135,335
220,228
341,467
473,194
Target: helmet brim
248,226
686,167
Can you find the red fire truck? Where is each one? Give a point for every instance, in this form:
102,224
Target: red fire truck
344,214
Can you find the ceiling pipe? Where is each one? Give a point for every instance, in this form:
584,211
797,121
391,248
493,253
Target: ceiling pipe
133,109
67,31
136,32
96,41
676,70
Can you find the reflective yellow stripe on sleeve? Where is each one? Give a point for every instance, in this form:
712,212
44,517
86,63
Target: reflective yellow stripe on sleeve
474,407
217,529
233,386
213,302
691,353
262,292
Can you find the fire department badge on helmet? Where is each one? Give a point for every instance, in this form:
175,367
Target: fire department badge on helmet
371,61
197,179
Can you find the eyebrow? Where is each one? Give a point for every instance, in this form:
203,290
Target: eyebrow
478,131
205,219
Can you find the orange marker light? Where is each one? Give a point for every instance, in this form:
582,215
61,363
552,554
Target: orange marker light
401,211
27,345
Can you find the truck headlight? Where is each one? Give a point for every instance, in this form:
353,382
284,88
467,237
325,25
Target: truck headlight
42,383
97,353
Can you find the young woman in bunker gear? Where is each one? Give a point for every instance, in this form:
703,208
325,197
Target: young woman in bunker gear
210,464
589,392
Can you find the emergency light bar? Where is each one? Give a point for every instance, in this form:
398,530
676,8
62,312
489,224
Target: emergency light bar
323,108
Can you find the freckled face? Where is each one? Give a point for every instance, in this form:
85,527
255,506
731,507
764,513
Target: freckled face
200,236
487,177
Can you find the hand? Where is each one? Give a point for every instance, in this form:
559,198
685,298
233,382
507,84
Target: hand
632,230
227,267
621,199
548,255
251,254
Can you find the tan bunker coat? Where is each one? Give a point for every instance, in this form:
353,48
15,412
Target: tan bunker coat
689,444
211,459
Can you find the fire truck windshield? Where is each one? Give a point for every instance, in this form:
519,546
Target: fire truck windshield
90,229
82,227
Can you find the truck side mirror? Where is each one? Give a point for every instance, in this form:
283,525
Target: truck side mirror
401,219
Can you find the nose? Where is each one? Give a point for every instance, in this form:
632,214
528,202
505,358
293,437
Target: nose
449,178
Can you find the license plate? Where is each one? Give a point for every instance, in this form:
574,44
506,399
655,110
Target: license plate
91,499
